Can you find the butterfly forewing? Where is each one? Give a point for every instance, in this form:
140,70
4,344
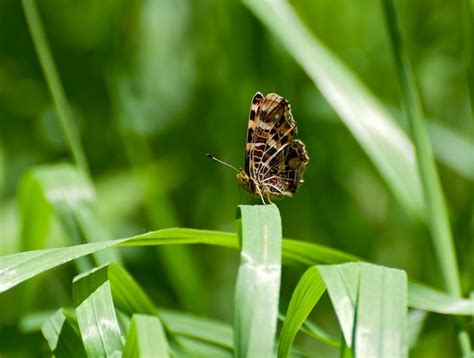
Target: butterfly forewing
274,161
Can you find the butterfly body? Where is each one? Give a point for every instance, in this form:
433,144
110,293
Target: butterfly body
274,160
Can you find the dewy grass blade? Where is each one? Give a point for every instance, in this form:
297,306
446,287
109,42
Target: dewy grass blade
54,83
96,315
145,338
370,123
258,281
305,296
62,333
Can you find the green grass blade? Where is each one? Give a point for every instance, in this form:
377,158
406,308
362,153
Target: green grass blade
199,328
425,298
62,333
95,312
145,338
342,282
305,296
309,253
369,122
258,280
381,318
436,209
128,296
63,191
54,83
19,267
370,303
433,195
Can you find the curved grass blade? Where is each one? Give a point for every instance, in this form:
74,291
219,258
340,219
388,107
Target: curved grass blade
199,328
370,302
62,333
380,137
425,298
258,282
95,312
145,338
305,296
19,267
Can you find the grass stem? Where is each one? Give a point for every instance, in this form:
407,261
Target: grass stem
432,192
54,83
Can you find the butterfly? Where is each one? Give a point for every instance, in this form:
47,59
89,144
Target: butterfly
274,161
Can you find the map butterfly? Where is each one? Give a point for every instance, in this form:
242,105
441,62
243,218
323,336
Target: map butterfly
274,160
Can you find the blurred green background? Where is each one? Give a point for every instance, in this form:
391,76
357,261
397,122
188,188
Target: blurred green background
154,85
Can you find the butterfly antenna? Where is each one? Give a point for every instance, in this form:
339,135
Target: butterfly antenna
222,162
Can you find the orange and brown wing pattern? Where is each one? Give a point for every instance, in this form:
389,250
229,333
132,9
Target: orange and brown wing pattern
274,161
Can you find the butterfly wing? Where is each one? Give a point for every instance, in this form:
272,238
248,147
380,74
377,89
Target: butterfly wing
274,161
284,171
271,125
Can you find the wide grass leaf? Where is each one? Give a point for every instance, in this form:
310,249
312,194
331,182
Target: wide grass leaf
95,313
145,338
307,293
258,283
371,305
370,123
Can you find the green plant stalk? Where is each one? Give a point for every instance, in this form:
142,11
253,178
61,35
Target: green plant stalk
54,83
432,192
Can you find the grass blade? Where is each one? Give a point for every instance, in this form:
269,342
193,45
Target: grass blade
19,267
425,298
369,122
258,281
371,305
63,191
199,328
145,338
432,192
95,312
433,196
62,333
381,325
305,296
54,83
342,282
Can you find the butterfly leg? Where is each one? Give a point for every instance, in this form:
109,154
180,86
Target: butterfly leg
260,194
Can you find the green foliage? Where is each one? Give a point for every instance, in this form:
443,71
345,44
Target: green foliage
106,256
258,282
